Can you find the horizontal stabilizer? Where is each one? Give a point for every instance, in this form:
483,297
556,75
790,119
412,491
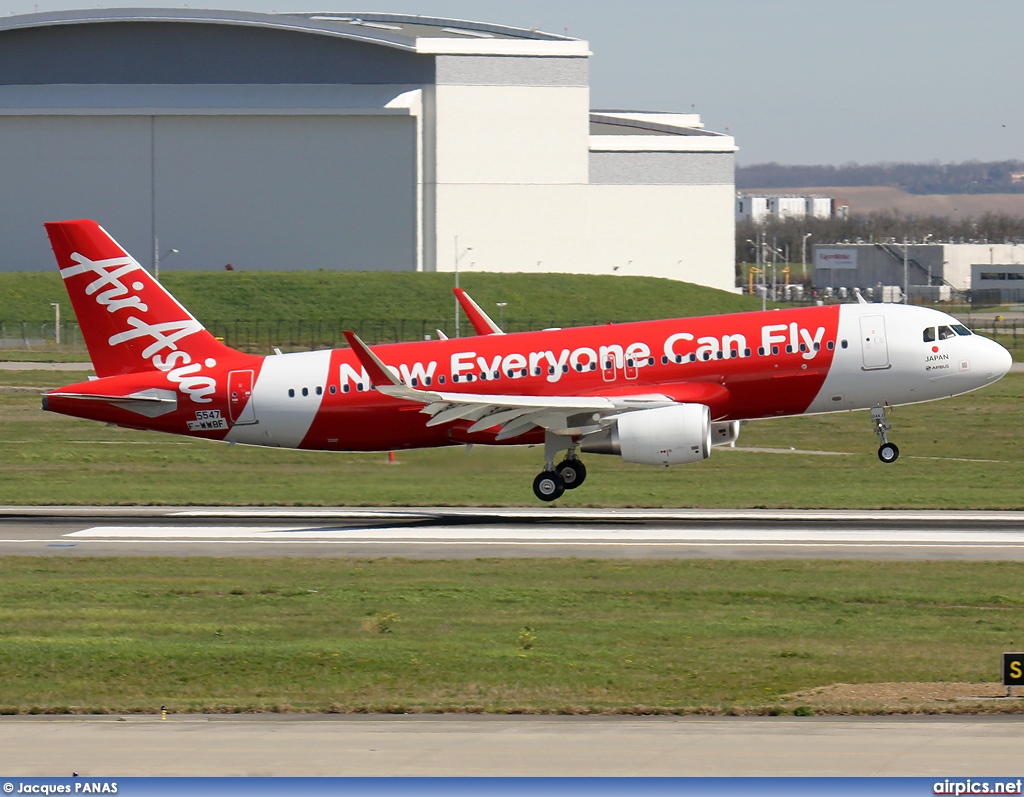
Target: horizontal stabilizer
151,403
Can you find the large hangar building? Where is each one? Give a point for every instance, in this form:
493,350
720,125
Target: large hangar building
383,141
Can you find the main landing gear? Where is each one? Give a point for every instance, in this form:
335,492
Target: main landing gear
569,474
887,452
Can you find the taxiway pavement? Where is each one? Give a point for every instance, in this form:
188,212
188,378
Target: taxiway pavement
510,746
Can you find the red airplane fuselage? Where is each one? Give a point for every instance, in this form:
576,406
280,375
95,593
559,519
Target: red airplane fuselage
653,391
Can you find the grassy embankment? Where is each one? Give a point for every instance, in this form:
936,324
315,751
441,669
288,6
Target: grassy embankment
375,302
956,454
309,309
116,635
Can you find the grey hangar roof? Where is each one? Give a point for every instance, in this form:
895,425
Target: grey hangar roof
235,45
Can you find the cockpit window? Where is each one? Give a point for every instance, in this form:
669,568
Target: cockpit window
929,334
960,329
945,333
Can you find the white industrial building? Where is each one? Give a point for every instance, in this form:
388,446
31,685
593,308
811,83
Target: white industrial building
1005,279
787,207
383,141
819,207
781,206
752,207
933,269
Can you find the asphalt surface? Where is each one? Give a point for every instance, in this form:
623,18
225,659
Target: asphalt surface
511,532
510,746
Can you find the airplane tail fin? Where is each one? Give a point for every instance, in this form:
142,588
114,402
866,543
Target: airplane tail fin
129,322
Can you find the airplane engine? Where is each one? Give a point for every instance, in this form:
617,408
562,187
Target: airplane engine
673,435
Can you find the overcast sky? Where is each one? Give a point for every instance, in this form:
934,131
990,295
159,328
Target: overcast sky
796,81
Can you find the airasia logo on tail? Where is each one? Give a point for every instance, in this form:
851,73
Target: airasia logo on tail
109,291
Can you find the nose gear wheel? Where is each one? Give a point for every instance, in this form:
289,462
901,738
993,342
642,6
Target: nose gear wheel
887,452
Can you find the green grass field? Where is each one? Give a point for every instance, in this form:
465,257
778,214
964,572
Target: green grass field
533,301
563,636
961,453
198,634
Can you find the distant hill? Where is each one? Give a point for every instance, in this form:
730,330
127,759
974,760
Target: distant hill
973,177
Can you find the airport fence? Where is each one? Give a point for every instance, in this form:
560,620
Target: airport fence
1005,329
299,335
262,336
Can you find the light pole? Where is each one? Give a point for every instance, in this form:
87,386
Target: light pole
924,241
905,255
458,256
501,314
775,260
803,254
759,258
56,320
157,259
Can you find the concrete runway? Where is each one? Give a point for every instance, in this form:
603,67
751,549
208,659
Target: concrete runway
511,532
510,746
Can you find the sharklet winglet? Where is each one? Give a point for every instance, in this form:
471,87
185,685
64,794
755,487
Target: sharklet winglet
482,323
381,376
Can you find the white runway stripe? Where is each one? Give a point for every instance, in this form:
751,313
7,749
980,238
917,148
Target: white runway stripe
582,544
512,535
566,515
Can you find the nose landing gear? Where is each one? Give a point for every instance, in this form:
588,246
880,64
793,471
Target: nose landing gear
887,452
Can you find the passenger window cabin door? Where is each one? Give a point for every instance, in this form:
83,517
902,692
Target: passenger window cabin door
874,348
240,404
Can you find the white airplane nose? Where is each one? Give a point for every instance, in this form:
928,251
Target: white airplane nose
997,361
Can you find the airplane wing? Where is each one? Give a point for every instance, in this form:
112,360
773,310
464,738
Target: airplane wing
482,323
514,415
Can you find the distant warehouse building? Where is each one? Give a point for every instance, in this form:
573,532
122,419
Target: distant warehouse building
933,269
759,207
383,141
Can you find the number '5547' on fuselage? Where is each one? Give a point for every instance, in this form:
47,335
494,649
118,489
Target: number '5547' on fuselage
653,392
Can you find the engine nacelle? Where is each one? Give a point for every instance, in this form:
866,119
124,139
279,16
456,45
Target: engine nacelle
673,435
